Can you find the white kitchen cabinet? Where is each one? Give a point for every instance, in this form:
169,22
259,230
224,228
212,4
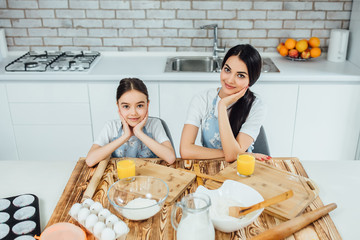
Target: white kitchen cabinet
174,103
280,101
51,121
7,138
327,122
103,103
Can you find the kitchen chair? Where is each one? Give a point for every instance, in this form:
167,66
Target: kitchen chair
261,145
167,130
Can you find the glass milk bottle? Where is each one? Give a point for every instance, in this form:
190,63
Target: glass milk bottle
195,222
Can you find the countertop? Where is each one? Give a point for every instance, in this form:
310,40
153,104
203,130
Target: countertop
337,181
149,66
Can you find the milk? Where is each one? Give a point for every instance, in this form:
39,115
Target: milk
196,226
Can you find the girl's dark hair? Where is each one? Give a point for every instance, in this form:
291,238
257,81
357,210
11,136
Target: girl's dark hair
127,84
252,59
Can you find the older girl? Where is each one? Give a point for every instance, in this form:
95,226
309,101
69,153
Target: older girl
134,134
231,116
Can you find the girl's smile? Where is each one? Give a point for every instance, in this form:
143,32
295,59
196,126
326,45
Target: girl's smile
234,76
133,106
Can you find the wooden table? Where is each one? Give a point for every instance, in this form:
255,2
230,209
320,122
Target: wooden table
159,226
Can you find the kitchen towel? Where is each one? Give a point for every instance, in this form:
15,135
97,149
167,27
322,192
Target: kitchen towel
3,45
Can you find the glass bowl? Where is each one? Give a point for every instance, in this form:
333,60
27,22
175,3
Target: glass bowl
138,198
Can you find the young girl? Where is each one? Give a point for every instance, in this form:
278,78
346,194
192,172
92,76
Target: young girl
231,116
134,134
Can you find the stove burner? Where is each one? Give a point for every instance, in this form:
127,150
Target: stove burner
42,61
30,65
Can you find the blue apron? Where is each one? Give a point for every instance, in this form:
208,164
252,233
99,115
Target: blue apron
210,133
133,147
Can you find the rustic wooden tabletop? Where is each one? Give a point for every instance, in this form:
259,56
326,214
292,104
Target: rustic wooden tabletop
159,226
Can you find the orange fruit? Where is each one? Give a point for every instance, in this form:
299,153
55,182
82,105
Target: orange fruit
314,42
283,51
302,45
315,52
278,46
290,43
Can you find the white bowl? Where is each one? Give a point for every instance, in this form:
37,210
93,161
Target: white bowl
231,193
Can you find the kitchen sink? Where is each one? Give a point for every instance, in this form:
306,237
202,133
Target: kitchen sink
207,64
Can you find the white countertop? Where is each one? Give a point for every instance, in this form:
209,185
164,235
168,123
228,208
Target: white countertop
149,66
338,182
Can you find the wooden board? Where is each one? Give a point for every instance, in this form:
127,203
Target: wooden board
159,226
177,180
270,181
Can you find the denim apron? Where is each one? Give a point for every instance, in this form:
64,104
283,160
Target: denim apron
210,133
133,147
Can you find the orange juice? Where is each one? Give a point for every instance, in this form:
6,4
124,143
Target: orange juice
126,168
245,164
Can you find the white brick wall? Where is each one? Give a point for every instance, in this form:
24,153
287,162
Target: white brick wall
166,25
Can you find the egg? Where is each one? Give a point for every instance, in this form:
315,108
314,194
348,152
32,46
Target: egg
110,220
120,228
97,229
75,210
90,221
82,215
88,202
107,234
103,214
96,207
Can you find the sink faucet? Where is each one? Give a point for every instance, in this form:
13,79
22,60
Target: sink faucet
216,49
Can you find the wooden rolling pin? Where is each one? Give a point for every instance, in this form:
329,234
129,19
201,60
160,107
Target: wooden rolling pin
287,228
95,179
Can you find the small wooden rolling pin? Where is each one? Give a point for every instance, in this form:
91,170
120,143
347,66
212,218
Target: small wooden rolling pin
285,229
95,179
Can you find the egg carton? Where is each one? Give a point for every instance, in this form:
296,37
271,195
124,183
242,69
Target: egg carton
19,217
99,220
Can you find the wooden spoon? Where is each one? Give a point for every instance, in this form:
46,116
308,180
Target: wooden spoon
236,211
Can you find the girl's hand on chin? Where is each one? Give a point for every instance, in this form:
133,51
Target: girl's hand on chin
138,128
125,126
234,97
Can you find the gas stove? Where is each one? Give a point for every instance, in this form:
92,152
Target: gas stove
54,61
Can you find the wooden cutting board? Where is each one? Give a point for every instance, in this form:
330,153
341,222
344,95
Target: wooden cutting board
270,181
176,179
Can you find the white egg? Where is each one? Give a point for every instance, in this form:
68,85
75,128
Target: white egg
88,202
96,207
107,234
97,229
82,215
110,220
90,221
120,228
75,210
103,214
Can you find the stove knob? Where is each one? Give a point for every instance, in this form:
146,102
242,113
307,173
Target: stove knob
56,68
73,68
81,68
64,68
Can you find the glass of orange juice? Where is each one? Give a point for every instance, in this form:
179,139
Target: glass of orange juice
245,165
125,168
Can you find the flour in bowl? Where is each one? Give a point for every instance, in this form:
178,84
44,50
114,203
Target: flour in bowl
140,209
220,208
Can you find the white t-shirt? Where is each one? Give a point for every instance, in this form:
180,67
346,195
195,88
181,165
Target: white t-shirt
201,105
111,130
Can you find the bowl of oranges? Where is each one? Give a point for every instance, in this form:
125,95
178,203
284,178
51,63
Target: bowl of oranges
301,50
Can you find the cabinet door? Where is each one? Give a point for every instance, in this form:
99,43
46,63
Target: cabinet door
51,121
7,138
327,122
280,101
174,102
103,103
